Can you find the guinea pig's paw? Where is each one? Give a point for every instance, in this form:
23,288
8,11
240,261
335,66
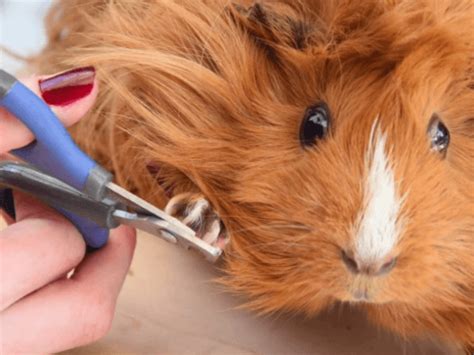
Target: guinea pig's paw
196,212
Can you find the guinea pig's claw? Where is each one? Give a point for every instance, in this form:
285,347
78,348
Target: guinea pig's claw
197,213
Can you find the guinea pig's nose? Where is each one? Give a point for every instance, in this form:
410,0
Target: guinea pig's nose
374,268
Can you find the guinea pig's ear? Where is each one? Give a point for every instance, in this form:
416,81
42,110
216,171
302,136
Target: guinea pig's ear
272,25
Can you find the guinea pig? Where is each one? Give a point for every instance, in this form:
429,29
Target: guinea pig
334,140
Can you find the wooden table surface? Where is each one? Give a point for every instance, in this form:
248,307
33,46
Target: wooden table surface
169,305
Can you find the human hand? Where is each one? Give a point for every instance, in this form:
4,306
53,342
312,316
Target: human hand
41,309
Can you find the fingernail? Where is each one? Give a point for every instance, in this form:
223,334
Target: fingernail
68,87
7,203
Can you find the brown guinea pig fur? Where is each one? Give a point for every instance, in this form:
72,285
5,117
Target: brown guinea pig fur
334,139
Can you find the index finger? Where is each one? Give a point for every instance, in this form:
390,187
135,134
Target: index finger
82,307
36,250
70,95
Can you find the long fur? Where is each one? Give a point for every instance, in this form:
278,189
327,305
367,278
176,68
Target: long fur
208,96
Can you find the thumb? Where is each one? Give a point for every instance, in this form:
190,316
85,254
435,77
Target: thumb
70,95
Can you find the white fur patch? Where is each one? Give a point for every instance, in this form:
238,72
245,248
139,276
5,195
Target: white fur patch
378,228
196,212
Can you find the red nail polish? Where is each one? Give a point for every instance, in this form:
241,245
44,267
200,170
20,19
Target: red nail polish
65,88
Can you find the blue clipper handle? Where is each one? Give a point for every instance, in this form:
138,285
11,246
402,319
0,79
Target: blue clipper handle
94,235
53,151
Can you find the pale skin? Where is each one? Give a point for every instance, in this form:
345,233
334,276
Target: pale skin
41,310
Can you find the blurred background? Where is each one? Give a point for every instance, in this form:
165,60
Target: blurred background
21,29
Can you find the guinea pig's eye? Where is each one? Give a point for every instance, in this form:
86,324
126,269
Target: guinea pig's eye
438,134
315,124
